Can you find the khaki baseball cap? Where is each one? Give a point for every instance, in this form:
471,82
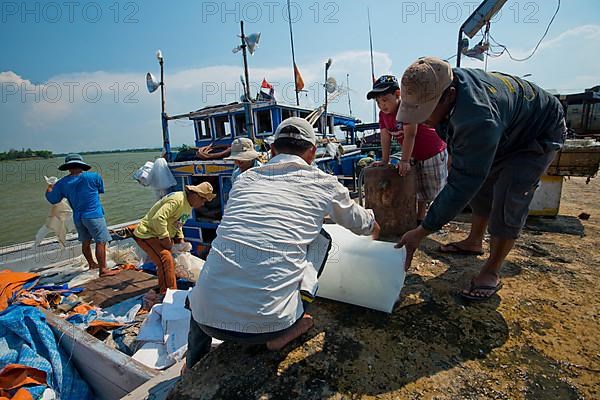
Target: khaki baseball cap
204,189
242,149
303,131
421,88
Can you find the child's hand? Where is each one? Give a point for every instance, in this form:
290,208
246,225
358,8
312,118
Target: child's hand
376,231
403,167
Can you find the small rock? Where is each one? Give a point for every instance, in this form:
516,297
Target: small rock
584,216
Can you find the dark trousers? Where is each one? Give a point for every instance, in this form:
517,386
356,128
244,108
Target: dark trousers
200,338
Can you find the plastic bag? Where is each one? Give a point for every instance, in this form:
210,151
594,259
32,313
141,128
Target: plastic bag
188,266
160,177
59,220
183,247
143,173
123,255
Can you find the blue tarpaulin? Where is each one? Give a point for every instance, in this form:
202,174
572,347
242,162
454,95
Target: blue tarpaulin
344,121
26,339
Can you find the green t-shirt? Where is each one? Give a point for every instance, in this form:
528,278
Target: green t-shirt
165,218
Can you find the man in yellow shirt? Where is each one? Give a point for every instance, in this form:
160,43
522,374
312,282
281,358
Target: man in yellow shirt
162,226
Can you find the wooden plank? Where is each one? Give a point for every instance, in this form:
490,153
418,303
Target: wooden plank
576,161
107,291
110,373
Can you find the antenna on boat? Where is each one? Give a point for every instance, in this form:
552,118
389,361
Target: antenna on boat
330,87
251,43
480,17
293,55
372,64
152,84
348,86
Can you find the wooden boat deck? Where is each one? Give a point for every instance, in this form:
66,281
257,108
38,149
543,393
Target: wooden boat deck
106,291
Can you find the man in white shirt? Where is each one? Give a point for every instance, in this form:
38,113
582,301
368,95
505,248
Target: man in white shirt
250,287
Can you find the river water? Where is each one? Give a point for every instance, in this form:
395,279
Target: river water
23,206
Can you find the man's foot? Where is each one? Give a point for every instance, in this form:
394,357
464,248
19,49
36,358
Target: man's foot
462,248
298,329
109,272
482,287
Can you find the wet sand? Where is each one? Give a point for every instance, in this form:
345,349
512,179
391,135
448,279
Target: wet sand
538,339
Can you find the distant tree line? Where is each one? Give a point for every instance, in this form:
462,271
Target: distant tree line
23,154
142,150
13,154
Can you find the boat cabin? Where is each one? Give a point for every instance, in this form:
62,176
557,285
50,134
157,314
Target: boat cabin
218,126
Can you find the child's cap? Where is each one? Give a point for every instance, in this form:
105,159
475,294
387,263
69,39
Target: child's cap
385,84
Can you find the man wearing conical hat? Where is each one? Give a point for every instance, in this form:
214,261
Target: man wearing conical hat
82,189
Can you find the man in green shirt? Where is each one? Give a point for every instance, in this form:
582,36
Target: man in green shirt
162,226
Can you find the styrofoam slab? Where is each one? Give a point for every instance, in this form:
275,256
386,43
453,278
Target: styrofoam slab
362,271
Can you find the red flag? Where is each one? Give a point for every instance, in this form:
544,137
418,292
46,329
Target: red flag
266,85
299,80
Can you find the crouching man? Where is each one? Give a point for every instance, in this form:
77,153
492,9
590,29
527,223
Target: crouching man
249,290
162,226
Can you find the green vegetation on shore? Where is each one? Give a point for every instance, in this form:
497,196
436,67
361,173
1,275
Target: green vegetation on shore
142,150
23,154
36,154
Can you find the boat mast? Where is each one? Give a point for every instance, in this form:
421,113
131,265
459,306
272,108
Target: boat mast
372,64
293,55
245,57
348,86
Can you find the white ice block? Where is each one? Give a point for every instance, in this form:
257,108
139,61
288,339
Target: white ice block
362,271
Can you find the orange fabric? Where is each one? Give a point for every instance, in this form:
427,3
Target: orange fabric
21,394
128,267
34,299
96,326
28,301
11,283
299,80
14,376
163,259
82,309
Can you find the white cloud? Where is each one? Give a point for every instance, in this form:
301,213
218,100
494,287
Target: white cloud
72,112
584,32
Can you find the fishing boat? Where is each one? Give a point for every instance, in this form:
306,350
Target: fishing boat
110,373
216,127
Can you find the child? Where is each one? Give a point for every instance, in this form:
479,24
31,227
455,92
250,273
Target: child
421,145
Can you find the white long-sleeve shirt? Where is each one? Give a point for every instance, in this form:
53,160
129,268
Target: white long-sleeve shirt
251,279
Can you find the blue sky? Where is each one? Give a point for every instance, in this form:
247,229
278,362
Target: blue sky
72,73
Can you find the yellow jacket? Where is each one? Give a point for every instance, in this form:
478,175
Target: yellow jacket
165,218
